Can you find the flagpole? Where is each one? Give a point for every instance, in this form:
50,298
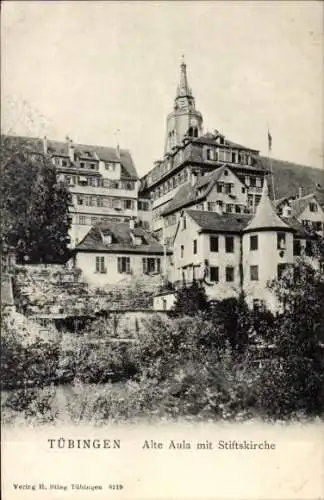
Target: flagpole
271,166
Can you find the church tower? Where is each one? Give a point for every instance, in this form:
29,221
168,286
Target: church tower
184,120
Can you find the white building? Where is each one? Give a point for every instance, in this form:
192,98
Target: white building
232,253
114,251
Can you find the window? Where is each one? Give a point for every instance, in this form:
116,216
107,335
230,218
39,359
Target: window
234,158
211,206
229,274
257,199
93,220
254,243
228,188
313,207
229,244
100,265
214,274
151,265
143,205
82,219
229,208
82,164
210,154
123,265
254,273
297,247
213,243
281,241
181,251
243,189
128,204
317,226
80,200
194,246
184,222
64,163
237,209
252,181
219,188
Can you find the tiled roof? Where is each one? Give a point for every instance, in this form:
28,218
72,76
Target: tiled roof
289,177
103,153
299,204
300,230
265,216
121,240
211,221
211,139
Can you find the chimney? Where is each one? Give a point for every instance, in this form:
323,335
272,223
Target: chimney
300,192
71,149
45,145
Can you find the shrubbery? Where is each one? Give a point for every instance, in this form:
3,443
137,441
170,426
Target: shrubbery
203,367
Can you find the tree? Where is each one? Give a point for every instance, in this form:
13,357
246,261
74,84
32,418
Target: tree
233,317
294,379
191,300
34,205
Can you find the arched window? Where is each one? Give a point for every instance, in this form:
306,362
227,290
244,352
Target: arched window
190,132
195,132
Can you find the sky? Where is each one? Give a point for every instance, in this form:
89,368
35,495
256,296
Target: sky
88,69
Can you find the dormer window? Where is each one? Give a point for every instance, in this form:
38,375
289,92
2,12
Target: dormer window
107,239
138,240
313,207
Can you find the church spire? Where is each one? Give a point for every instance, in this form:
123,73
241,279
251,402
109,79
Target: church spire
183,88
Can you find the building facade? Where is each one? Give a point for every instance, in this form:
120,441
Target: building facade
103,181
233,253
114,251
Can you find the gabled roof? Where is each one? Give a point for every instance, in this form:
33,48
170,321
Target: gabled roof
60,148
122,241
289,177
299,204
227,223
265,216
190,194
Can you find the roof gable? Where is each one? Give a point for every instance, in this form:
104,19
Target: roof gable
90,152
123,239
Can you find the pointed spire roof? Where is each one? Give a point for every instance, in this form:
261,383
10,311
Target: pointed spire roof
266,217
183,87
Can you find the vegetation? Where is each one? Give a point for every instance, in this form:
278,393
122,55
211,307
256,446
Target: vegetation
223,363
34,205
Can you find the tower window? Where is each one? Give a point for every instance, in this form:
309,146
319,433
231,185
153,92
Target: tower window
254,242
281,241
254,273
194,246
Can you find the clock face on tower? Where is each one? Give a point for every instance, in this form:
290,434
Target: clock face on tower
193,122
